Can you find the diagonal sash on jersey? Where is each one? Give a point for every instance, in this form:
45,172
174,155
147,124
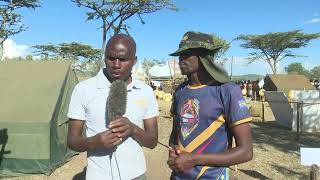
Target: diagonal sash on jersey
202,137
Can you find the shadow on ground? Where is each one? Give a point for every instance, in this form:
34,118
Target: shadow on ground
287,171
281,138
252,174
268,137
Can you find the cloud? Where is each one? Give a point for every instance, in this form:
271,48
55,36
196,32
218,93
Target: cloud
11,49
313,21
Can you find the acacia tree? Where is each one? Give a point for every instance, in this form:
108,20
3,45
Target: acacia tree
46,50
274,47
225,45
10,20
114,13
73,51
77,50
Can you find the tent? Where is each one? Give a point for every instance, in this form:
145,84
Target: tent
160,71
33,116
287,82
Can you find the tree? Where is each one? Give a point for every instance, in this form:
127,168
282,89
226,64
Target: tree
77,50
315,72
45,50
274,47
72,50
148,64
29,57
10,20
297,68
113,14
219,56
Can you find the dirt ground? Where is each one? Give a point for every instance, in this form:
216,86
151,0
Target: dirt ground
276,153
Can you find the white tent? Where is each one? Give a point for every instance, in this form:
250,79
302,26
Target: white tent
161,71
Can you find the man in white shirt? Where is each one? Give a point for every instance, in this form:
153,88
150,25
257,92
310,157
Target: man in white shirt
114,148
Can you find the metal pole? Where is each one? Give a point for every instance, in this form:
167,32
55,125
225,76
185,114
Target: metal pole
263,120
301,117
231,66
174,66
298,121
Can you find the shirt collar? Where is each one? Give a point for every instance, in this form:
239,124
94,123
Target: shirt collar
103,82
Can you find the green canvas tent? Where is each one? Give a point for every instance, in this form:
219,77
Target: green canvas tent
34,99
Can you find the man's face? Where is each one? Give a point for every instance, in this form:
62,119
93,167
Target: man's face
120,58
188,62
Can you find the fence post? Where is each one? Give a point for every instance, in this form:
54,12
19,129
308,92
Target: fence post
314,172
262,103
298,122
301,117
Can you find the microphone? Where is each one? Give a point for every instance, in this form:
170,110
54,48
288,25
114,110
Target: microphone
116,107
117,100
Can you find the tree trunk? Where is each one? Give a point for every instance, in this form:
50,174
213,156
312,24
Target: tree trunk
272,65
275,68
104,39
1,52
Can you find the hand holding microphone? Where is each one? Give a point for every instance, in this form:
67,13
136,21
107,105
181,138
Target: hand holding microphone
116,108
123,126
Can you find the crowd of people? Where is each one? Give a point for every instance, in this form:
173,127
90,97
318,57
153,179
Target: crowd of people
250,89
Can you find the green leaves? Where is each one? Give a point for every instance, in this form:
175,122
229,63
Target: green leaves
275,46
92,15
69,51
11,20
218,41
315,72
296,68
148,64
114,13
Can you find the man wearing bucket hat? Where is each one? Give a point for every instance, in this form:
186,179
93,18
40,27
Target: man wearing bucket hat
208,112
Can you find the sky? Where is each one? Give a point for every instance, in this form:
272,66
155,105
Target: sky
59,21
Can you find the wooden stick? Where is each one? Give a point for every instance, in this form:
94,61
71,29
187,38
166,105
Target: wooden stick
166,146
314,172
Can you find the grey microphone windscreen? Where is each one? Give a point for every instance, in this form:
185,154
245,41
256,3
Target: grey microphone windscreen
117,99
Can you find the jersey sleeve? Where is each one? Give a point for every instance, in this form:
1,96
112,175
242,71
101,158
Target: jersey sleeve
237,111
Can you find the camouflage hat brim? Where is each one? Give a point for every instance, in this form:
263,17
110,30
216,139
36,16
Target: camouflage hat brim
185,45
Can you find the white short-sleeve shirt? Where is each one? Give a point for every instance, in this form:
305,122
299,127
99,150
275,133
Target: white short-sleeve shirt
88,103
